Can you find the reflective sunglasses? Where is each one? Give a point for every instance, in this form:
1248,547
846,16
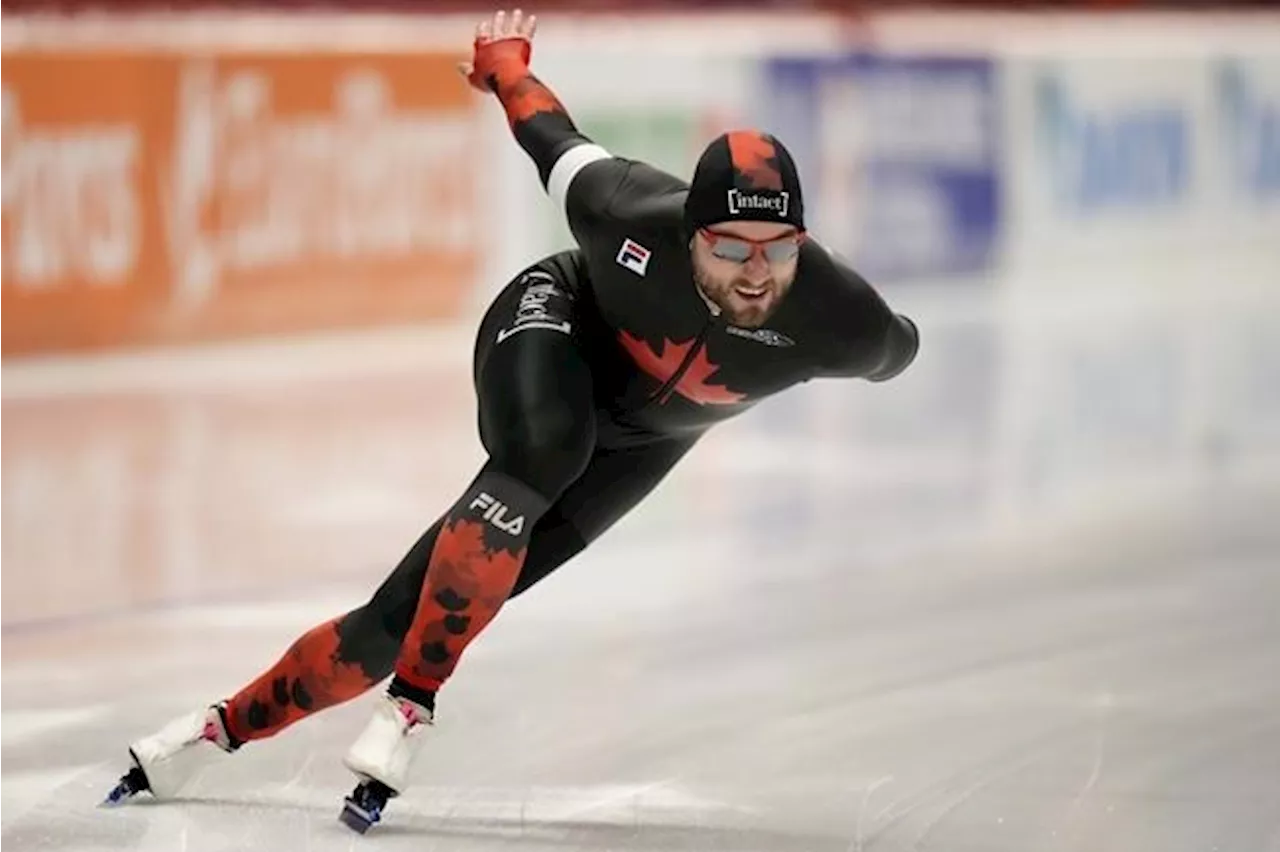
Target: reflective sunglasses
740,250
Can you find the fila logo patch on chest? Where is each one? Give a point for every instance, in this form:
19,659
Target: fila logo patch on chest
634,256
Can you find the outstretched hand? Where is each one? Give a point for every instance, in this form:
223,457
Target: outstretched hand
502,39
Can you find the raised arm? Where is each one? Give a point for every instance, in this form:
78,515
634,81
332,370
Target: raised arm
538,120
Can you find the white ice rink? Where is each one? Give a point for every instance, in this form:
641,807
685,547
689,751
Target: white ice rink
851,622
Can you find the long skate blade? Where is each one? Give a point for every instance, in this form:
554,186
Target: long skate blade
117,797
131,783
356,818
363,807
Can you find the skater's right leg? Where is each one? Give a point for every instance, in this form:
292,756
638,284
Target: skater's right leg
369,637
331,663
348,655
334,661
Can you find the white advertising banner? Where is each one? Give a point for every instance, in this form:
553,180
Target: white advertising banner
1110,155
1246,133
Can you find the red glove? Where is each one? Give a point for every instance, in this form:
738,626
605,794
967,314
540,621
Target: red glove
499,61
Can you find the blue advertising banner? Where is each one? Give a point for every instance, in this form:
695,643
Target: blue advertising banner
899,156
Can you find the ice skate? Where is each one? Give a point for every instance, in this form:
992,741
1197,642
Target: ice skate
382,757
165,761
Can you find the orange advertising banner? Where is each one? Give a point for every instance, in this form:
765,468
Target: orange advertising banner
85,137
166,198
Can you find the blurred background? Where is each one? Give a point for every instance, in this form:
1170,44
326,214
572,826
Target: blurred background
245,247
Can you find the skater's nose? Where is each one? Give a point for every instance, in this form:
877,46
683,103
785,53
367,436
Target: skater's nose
756,269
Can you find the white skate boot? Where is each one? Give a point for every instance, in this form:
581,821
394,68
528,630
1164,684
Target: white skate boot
165,761
382,756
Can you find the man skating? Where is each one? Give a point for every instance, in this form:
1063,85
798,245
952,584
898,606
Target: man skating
596,370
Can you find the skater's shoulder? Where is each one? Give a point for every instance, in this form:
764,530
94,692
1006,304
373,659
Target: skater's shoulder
841,309
601,187
830,282
644,196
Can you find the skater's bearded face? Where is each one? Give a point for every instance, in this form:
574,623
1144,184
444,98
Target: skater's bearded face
745,268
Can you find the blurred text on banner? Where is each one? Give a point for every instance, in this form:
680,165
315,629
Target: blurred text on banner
903,155
152,197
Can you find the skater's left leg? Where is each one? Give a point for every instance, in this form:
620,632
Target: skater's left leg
537,421
613,483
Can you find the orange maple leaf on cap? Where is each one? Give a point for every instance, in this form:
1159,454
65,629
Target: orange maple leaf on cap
754,155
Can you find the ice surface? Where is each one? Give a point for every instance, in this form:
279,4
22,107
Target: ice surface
789,648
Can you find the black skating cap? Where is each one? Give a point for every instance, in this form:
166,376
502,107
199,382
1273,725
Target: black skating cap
745,175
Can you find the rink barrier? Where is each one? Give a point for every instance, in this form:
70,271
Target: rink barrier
224,175
1081,211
